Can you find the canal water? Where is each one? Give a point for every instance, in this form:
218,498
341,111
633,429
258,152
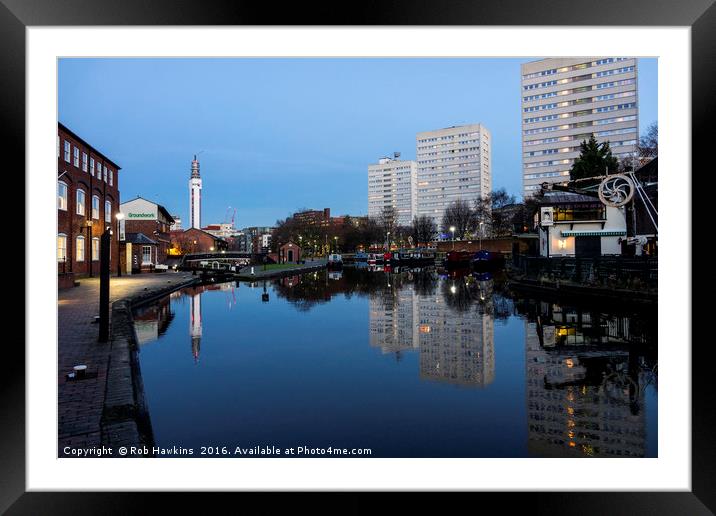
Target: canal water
404,363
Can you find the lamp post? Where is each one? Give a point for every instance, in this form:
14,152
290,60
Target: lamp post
104,246
452,230
89,241
120,234
335,244
387,242
480,236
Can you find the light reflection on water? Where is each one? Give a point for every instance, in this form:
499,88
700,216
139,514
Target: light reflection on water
409,364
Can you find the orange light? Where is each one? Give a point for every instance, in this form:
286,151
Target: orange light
424,328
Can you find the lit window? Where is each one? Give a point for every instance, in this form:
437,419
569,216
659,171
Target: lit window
61,247
80,248
95,249
80,202
146,254
61,195
95,207
107,211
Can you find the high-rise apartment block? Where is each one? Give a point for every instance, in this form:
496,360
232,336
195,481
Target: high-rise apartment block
453,163
392,183
567,100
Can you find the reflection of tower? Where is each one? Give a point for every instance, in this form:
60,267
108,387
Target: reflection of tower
195,195
393,319
457,348
195,325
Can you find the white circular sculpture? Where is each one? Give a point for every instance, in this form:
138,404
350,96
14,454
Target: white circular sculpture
616,190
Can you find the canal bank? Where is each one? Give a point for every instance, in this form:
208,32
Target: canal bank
255,272
105,407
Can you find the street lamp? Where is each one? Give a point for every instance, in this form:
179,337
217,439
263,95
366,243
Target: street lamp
335,243
387,242
120,217
480,236
89,241
452,230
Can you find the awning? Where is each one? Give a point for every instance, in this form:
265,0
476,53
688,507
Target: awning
596,232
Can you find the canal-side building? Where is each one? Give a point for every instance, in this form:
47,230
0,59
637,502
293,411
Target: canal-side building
572,224
195,240
392,183
566,101
453,163
153,221
87,204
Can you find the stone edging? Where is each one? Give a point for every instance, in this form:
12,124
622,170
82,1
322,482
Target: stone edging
125,417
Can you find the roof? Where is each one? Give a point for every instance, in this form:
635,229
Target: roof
139,238
201,231
79,138
554,197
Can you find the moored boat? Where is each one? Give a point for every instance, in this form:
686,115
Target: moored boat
487,260
335,261
458,259
361,256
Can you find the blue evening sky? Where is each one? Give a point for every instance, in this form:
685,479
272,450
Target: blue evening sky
276,135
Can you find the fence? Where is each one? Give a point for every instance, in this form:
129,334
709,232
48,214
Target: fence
616,271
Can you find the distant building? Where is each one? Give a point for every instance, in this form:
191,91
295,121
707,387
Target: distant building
197,241
393,183
195,195
176,226
566,101
313,217
453,163
223,230
142,216
87,204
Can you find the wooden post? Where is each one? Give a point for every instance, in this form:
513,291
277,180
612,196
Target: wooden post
104,285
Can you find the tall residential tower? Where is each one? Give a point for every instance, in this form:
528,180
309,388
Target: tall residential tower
392,183
567,100
195,195
453,163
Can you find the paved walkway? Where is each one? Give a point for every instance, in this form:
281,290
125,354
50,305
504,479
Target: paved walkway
81,403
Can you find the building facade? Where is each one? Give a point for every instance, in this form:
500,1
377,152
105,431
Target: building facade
453,163
87,204
176,225
195,195
393,183
313,217
567,100
195,240
142,216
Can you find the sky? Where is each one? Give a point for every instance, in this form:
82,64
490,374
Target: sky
277,135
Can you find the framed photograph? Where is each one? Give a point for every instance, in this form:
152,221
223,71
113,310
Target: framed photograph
408,249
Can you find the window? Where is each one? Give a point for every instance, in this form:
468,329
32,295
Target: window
80,248
67,151
587,211
84,161
61,247
95,249
146,254
105,174
107,211
58,145
99,171
95,207
92,166
111,177
80,202
76,157
61,195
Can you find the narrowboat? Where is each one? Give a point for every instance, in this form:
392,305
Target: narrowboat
361,256
487,260
458,259
335,261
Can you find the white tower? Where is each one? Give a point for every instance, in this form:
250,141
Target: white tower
195,195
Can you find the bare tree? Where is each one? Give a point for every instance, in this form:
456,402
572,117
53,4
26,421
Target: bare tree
649,142
458,214
388,220
424,229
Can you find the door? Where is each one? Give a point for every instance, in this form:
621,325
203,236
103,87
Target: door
290,255
587,246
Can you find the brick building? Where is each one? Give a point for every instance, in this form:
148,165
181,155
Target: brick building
195,240
314,217
87,204
151,220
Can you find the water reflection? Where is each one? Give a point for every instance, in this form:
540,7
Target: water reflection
582,381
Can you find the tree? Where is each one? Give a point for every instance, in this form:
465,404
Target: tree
461,216
388,220
423,229
649,142
595,159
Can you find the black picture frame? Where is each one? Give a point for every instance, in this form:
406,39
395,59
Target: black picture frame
700,15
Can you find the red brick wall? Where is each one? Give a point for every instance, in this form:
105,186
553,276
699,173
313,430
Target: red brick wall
148,227
196,241
72,224
503,245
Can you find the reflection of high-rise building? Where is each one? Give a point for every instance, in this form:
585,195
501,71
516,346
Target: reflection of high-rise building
393,320
454,347
457,348
195,324
575,407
